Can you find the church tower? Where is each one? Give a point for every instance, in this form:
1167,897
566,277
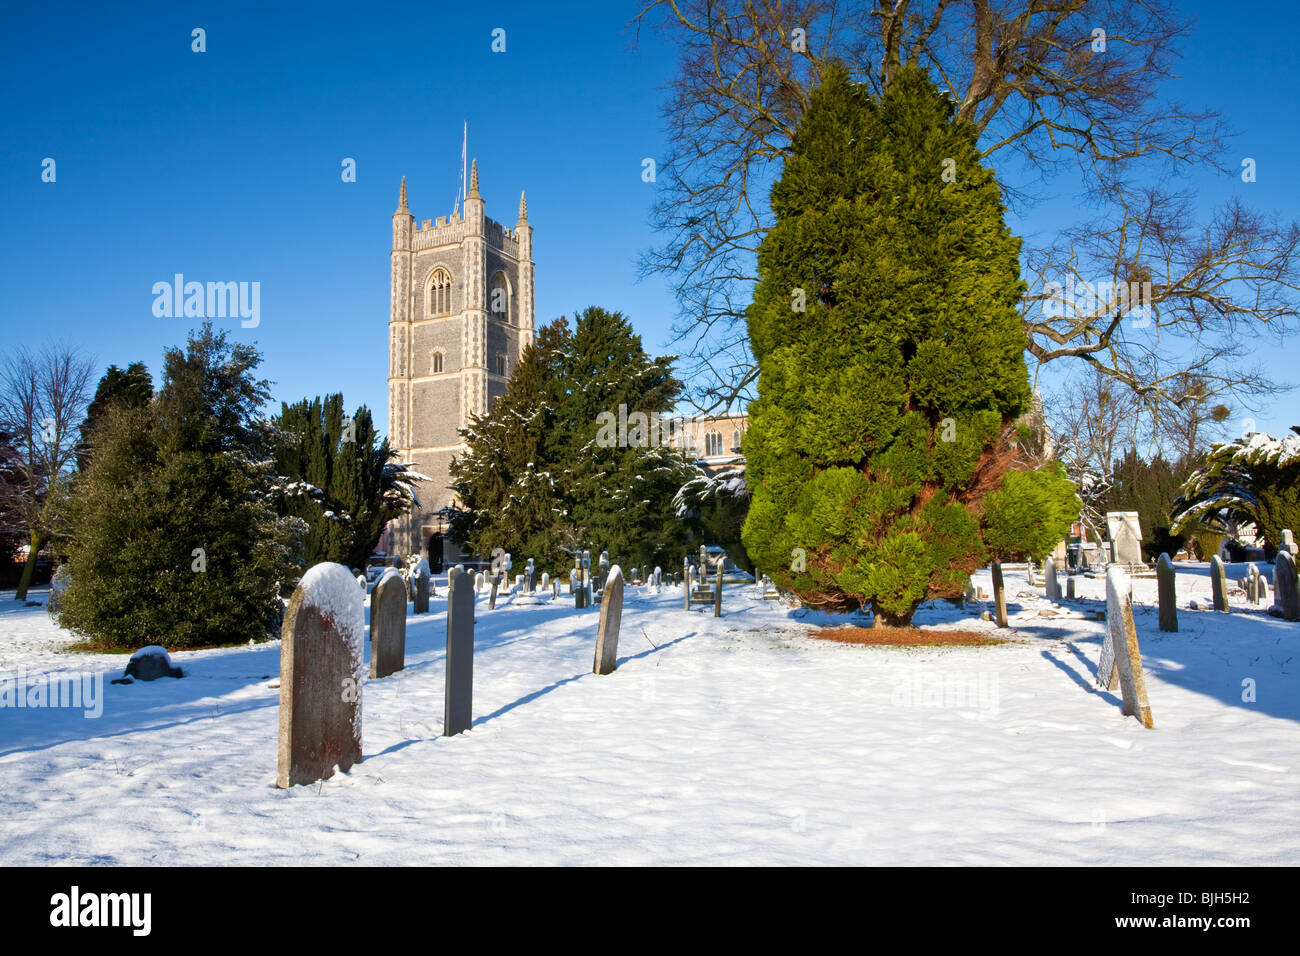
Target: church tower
460,315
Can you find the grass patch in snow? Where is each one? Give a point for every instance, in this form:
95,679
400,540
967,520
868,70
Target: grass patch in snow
904,636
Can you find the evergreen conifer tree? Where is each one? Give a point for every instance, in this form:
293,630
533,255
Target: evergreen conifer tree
890,350
175,542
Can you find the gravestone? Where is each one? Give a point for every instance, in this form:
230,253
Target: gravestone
1123,665
422,582
546,581
1251,583
530,578
717,591
320,677
579,590
1029,573
361,580
388,626
555,589
1049,579
659,576
687,584
999,596
1288,542
1263,588
452,575
458,709
1167,594
1069,588
1124,529
611,617
492,598
1286,590
603,571
1219,583
478,581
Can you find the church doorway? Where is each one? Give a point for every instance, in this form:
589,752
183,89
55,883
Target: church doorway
435,553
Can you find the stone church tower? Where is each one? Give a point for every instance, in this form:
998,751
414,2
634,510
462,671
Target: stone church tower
460,315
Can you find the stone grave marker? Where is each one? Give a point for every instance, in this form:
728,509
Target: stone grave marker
478,581
555,589
611,617
422,584
1167,593
1286,590
1052,585
659,576
1288,542
492,597
320,677
1219,583
458,712
546,581
388,626
717,591
1124,529
999,596
530,578
688,584
1124,665
1251,583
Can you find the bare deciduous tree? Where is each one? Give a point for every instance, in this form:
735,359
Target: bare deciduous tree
43,399
1052,86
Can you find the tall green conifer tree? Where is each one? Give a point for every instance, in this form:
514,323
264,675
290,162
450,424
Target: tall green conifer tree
890,351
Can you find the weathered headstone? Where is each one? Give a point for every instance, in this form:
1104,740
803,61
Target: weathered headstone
1049,579
1263,588
1219,583
1069,588
659,576
478,581
1167,594
530,578
423,582
999,596
492,597
546,581
388,626
458,708
1124,529
1251,583
688,583
611,617
361,580
1125,659
1286,590
320,677
717,591
555,589
1288,542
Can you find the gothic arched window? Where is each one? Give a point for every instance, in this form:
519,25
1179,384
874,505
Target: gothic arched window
712,444
499,297
439,292
435,363
735,441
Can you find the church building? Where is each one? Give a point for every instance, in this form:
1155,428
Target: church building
460,315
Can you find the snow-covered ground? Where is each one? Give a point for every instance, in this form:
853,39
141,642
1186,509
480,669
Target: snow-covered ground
735,741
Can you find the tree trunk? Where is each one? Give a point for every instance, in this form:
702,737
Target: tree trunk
29,569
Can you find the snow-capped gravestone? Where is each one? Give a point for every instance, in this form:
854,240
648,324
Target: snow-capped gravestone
1167,594
1121,660
611,617
530,578
1286,590
458,708
1288,542
320,677
478,581
1219,583
546,581
421,578
1052,585
388,626
151,663
999,596
1124,530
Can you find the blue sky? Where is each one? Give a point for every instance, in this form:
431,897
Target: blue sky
226,165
